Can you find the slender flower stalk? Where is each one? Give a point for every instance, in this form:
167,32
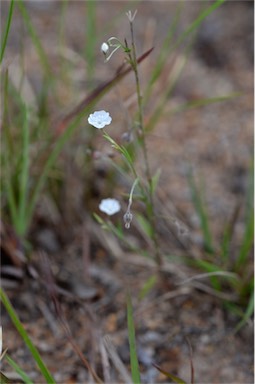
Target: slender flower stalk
128,215
141,137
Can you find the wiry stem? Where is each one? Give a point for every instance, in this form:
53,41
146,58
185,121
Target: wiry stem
141,137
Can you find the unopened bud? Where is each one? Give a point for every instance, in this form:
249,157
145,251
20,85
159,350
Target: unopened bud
127,219
104,48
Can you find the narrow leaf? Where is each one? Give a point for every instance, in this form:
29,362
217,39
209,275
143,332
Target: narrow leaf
18,369
132,343
48,377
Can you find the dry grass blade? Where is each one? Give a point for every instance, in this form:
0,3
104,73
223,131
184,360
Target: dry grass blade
120,367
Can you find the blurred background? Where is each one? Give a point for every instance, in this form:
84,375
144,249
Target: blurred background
198,116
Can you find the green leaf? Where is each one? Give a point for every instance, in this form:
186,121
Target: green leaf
145,225
18,369
155,180
248,238
98,219
7,30
48,377
132,343
196,193
248,313
35,38
147,286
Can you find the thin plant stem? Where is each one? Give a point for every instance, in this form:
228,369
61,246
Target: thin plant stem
142,140
131,194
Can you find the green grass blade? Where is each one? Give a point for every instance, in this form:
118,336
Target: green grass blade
132,343
121,149
50,162
248,238
202,214
48,377
196,23
147,286
174,77
36,40
24,177
210,268
248,313
18,369
204,102
90,47
145,225
228,234
7,30
163,55
7,154
247,243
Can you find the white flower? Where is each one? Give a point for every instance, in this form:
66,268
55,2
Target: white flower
109,206
104,48
99,119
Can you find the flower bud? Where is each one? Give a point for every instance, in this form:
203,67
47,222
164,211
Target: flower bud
104,48
127,219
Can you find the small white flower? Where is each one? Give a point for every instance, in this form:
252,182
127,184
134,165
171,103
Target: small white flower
99,119
104,48
109,206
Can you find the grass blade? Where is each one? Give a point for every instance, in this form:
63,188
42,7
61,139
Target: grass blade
7,30
203,102
48,377
132,343
24,177
248,313
18,369
7,153
37,43
248,238
228,234
202,214
210,268
174,76
196,23
163,56
91,42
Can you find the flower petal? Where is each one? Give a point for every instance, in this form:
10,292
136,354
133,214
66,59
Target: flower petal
99,119
109,206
